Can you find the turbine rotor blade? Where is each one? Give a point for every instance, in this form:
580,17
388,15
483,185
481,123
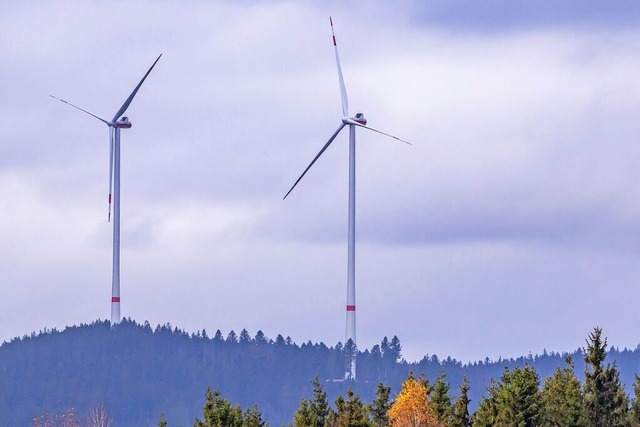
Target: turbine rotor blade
111,135
343,89
353,122
315,158
126,104
81,109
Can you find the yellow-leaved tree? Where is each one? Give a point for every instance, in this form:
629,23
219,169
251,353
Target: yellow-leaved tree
411,407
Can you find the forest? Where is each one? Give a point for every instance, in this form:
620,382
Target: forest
132,374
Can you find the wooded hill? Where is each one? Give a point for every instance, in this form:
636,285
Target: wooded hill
136,372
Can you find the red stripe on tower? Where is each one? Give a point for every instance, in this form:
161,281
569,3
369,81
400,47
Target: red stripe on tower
115,299
351,308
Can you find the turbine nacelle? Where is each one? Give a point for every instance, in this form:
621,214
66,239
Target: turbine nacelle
123,123
358,119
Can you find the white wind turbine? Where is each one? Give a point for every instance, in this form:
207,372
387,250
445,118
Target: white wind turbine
356,121
115,124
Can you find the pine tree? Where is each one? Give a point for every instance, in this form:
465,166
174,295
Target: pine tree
244,338
487,412
253,418
313,413
460,410
440,398
218,412
605,400
162,422
304,416
519,399
380,406
353,413
319,405
562,399
634,412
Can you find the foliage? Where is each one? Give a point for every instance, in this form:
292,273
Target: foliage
460,409
562,398
253,418
162,422
440,398
411,407
380,406
138,370
634,410
487,413
313,413
218,412
66,419
519,399
349,413
605,400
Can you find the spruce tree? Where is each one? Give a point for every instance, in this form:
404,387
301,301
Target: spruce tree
319,404
253,418
605,400
313,413
304,416
218,412
355,412
460,409
487,412
440,398
634,411
380,405
519,399
162,422
562,399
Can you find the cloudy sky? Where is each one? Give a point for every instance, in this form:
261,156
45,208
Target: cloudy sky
511,225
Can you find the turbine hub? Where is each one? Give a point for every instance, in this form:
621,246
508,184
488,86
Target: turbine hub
123,123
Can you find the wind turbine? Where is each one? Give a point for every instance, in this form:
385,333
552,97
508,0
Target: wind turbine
358,120
115,124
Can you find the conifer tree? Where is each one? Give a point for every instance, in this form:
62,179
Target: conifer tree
319,405
253,418
313,413
634,411
460,410
218,412
440,398
605,400
487,412
519,398
348,413
304,416
162,422
380,406
562,399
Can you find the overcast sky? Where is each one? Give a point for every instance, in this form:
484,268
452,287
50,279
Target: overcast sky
511,225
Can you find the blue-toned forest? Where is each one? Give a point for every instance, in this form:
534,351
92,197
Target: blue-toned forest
136,372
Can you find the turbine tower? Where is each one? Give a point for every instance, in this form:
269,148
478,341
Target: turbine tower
115,124
358,120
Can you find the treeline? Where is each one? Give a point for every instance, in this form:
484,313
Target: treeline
136,372
517,398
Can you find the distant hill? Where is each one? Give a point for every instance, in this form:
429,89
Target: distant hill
137,371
